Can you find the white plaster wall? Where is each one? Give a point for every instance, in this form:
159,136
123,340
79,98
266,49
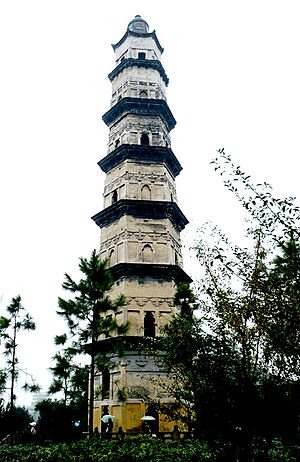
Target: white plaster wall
132,45
129,128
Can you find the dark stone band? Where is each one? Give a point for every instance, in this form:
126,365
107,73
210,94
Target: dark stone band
155,154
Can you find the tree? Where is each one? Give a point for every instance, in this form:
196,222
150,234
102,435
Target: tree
236,369
56,421
71,380
3,378
283,327
202,367
90,314
68,377
278,220
17,321
22,419
224,378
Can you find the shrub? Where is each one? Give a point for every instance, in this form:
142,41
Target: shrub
134,449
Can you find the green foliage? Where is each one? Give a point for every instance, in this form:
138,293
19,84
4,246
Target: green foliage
283,328
68,377
132,449
275,217
89,314
235,370
10,326
203,369
56,421
278,221
86,312
20,424
139,449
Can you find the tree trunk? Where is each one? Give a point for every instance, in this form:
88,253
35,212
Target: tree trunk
13,370
91,393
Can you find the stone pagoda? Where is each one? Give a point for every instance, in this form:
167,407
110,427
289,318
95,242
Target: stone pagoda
140,221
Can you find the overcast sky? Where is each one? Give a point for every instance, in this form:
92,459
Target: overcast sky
234,77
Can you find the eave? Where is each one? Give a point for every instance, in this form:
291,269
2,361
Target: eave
152,154
139,34
147,209
151,270
141,63
141,107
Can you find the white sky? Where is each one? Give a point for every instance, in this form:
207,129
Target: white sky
234,83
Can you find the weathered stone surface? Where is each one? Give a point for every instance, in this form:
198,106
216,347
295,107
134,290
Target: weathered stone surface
140,223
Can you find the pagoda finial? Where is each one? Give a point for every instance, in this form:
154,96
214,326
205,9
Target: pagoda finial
138,25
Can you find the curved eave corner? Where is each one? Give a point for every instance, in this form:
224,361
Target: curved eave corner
138,34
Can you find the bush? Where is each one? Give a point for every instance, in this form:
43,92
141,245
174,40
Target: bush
134,449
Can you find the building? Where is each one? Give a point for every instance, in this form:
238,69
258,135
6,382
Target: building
141,220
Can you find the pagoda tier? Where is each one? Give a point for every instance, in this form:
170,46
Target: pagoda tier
153,271
155,210
139,63
151,154
140,107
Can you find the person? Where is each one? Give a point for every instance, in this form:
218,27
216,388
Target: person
176,434
109,427
121,433
96,431
147,429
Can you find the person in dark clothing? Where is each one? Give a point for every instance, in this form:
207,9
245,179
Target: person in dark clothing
121,433
109,428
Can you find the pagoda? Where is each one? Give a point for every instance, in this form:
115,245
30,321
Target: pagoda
140,223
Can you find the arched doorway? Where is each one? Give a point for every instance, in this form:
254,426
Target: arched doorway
149,324
144,139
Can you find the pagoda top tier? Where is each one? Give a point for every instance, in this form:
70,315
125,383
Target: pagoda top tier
139,29
138,25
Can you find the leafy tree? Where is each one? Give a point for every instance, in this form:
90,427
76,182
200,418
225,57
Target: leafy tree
90,314
278,220
56,421
71,380
283,328
21,424
223,372
202,368
3,378
17,320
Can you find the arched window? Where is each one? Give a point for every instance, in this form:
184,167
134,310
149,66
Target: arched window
147,254
149,325
117,142
143,94
114,196
176,258
145,139
112,257
146,192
